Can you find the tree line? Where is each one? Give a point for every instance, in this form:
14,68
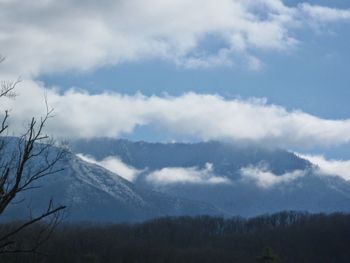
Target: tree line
282,237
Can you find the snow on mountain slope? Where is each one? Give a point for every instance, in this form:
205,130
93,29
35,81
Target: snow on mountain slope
93,193
241,180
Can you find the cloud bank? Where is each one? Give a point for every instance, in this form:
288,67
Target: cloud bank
52,36
260,175
162,177
265,179
329,167
79,114
115,165
182,175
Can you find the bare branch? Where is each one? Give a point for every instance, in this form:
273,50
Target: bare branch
7,87
31,222
4,126
19,169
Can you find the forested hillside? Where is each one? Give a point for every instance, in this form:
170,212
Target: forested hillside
283,237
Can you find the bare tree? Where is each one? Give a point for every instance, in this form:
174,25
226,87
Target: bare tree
23,161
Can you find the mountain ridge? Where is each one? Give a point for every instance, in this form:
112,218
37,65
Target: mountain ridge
93,193
292,183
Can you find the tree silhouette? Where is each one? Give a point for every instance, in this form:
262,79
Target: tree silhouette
23,161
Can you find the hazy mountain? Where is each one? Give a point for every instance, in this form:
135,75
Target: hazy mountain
247,180
92,193
226,158
182,179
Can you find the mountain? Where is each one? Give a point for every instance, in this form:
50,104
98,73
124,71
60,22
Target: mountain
240,180
92,193
226,158
180,179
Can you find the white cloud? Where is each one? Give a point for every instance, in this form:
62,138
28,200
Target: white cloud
323,13
114,165
329,167
190,175
264,178
51,36
79,114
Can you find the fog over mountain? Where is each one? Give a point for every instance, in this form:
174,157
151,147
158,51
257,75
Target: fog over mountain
174,131
240,180
206,178
92,193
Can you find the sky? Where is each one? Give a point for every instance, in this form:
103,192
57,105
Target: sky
270,72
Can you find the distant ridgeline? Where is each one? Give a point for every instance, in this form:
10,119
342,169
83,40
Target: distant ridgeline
175,179
238,180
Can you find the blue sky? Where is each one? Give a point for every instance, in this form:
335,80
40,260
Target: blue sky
286,60
314,78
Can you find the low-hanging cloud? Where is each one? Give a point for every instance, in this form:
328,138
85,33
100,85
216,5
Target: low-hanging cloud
186,175
115,165
52,36
266,179
79,114
329,167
